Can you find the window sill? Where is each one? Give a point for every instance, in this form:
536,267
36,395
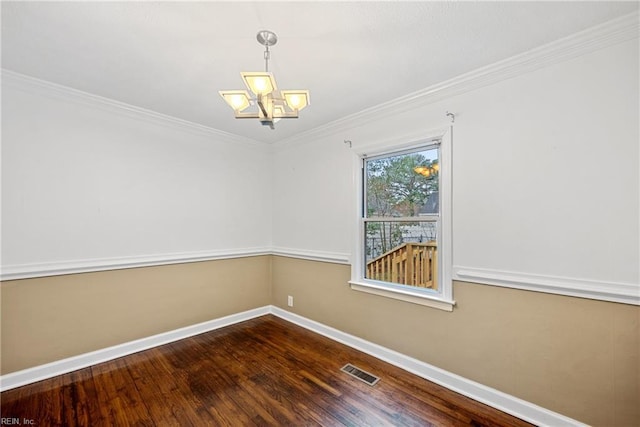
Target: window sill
407,296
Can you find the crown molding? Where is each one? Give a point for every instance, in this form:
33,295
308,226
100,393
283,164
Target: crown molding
612,32
607,34
54,90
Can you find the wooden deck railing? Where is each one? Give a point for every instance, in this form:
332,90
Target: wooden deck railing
414,264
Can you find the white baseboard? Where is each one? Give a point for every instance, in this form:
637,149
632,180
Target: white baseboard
487,395
494,398
59,367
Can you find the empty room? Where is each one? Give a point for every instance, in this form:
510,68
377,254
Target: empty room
320,213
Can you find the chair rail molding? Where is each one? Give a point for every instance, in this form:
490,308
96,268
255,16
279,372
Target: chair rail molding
26,271
332,257
626,293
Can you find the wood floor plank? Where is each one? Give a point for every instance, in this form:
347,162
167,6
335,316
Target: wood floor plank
123,402
263,372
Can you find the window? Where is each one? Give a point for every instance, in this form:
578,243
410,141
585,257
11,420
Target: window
403,248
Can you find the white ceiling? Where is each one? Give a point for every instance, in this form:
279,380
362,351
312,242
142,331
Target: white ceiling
173,57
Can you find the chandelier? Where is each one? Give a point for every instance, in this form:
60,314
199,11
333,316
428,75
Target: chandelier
272,104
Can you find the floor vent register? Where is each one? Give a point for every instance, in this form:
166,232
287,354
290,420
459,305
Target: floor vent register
360,374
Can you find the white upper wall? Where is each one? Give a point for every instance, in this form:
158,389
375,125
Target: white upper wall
545,177
85,180
545,173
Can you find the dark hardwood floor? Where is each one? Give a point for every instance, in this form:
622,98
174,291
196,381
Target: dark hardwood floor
264,372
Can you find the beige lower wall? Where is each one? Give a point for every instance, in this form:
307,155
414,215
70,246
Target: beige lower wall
574,356
51,318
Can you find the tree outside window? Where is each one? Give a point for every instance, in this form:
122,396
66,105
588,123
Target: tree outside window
401,218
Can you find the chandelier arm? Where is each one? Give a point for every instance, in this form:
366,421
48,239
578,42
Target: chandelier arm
261,105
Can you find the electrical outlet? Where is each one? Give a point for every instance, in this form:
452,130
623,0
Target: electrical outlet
290,301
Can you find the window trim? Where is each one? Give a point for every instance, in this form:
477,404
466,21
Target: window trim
443,298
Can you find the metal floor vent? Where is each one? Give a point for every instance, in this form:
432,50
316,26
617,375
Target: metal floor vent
360,374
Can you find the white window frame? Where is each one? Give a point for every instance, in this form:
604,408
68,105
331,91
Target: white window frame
443,297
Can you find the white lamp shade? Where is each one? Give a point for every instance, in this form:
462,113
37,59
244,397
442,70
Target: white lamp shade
260,83
237,99
296,99
278,112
